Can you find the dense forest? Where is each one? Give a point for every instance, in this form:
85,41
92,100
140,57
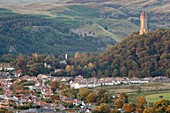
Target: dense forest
137,55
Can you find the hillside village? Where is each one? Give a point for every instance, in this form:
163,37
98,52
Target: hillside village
87,83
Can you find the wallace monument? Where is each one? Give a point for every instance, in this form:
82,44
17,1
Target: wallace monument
143,23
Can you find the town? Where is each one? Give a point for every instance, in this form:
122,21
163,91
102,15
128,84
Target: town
50,94
69,56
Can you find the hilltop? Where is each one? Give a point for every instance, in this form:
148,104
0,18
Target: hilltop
137,55
103,23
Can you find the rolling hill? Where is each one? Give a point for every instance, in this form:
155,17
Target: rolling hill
136,56
96,24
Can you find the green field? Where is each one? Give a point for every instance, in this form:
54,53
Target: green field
151,91
155,97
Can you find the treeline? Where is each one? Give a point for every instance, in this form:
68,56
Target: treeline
29,34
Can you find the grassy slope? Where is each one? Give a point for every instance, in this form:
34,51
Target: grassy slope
101,14
46,35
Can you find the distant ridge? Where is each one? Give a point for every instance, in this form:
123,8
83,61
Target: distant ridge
104,22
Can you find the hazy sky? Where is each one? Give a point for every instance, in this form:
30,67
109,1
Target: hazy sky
25,1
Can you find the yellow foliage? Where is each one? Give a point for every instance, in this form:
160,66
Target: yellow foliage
118,103
148,110
168,109
127,107
90,65
69,68
141,102
83,92
103,108
92,98
77,55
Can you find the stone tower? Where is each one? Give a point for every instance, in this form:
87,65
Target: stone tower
143,23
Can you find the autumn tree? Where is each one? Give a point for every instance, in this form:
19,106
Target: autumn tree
141,103
103,108
54,85
104,96
54,97
118,103
77,55
84,92
66,92
128,108
92,98
62,86
168,109
160,106
123,97
69,68
149,110
90,65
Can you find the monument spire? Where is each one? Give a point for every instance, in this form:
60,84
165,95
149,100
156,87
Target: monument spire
143,23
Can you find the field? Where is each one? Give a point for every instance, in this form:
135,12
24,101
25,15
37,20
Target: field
152,91
155,97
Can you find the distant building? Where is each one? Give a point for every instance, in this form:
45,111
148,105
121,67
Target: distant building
66,56
143,23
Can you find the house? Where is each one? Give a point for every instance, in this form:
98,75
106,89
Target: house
81,104
63,62
63,80
42,76
88,111
26,77
4,73
107,81
78,82
46,92
41,104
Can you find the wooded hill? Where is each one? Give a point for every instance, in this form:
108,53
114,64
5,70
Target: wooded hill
137,55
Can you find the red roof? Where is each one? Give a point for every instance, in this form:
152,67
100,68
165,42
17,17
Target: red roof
42,103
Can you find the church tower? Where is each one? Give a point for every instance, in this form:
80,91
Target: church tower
143,23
